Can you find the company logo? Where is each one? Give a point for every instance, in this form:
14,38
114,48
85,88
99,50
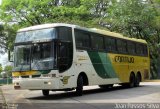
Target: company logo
124,59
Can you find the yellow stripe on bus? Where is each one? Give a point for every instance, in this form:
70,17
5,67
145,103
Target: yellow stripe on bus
24,73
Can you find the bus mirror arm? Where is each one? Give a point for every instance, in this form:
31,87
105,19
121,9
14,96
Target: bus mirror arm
10,56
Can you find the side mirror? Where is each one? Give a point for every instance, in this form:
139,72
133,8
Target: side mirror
10,56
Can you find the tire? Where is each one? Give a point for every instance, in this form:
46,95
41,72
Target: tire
45,92
138,80
79,88
106,86
131,81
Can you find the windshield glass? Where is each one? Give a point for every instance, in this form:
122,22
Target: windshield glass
34,57
42,56
22,58
35,35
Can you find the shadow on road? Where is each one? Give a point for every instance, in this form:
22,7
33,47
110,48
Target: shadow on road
70,94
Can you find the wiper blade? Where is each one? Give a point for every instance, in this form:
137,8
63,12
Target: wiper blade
35,64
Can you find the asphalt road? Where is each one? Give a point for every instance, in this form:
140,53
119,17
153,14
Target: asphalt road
147,96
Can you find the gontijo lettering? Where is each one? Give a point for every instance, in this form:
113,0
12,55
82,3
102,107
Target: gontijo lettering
124,59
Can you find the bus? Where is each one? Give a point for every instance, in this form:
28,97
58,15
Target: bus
65,57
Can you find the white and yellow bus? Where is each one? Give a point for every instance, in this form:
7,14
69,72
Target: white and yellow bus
55,57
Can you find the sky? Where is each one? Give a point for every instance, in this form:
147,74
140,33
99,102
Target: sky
4,59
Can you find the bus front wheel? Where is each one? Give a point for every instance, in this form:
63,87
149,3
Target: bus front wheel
45,92
79,88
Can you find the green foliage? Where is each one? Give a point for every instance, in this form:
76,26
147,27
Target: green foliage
2,38
32,12
1,69
7,36
139,19
8,70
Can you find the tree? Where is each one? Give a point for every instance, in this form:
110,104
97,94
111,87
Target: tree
1,69
139,19
8,70
7,36
33,12
2,39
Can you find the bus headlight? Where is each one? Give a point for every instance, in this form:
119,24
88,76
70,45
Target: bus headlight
48,82
16,84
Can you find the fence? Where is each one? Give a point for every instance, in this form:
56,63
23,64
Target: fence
5,81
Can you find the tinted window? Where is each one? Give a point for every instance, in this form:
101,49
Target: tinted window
139,49
110,44
82,39
131,47
65,56
121,46
145,50
97,42
65,33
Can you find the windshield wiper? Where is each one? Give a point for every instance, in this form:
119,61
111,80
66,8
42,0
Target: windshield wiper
35,64
21,68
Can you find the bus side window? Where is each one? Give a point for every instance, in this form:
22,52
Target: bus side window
97,42
110,44
64,33
65,56
139,49
65,48
122,46
82,39
131,48
145,50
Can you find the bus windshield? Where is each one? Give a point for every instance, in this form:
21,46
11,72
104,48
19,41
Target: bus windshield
22,58
35,35
34,50
42,56
34,57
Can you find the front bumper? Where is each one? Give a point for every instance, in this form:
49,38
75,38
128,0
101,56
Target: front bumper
36,83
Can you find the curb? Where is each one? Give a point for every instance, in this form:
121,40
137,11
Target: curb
157,80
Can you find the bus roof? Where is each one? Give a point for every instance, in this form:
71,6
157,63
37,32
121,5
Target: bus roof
43,26
95,30
118,35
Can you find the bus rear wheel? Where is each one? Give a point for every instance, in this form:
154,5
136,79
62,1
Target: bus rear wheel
79,88
45,92
138,80
131,83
